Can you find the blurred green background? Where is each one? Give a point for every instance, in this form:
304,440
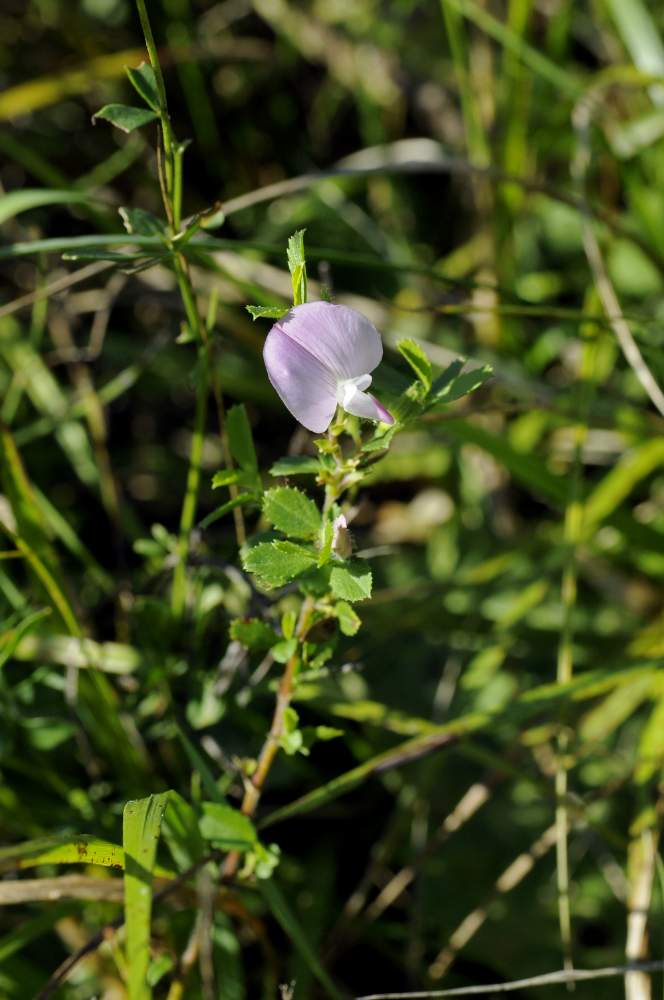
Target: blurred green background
517,537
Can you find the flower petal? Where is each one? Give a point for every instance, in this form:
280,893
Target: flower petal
363,404
340,337
306,387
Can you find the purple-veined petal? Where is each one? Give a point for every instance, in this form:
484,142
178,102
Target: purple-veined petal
342,339
305,385
363,404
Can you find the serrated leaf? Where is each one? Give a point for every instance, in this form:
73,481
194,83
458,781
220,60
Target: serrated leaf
351,582
297,267
297,465
292,512
417,360
349,620
125,117
275,563
141,223
266,312
226,828
253,633
143,81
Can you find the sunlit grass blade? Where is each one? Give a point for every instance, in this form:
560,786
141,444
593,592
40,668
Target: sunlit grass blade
141,829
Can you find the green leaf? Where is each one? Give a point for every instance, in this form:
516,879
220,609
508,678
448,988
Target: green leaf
11,637
297,465
61,850
226,828
266,312
283,650
181,832
253,633
275,563
349,620
143,80
238,501
351,582
142,223
417,360
200,765
291,740
298,267
292,512
240,438
448,389
380,441
141,826
23,200
125,117
226,477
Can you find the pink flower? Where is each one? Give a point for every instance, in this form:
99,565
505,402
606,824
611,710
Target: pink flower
319,356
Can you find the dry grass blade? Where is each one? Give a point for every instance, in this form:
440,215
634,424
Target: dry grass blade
547,979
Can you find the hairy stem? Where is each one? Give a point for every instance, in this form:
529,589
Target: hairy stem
270,748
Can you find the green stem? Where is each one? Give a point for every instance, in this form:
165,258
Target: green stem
187,517
164,117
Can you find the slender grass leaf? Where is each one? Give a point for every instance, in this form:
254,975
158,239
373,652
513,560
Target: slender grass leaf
283,914
15,202
141,827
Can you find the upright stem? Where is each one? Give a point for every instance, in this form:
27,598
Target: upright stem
179,589
170,175
270,748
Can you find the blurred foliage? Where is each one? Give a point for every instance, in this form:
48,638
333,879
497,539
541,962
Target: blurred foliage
514,643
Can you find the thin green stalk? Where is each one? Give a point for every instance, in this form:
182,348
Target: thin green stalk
171,180
572,534
165,120
188,515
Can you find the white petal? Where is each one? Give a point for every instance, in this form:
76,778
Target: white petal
361,404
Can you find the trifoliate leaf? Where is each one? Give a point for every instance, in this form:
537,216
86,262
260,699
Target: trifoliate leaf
124,117
417,360
275,563
351,582
292,512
